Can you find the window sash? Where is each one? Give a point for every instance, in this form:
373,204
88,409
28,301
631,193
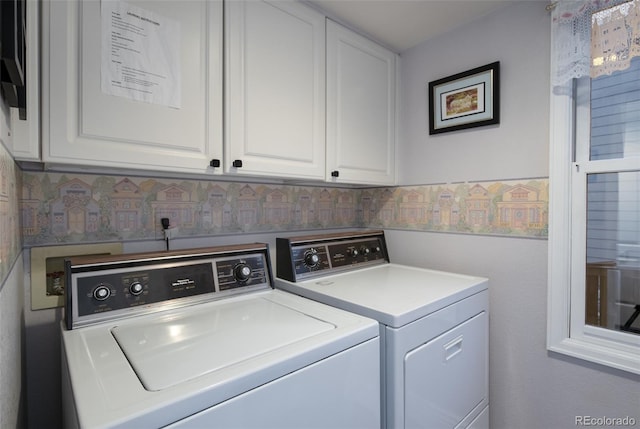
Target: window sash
567,332
616,340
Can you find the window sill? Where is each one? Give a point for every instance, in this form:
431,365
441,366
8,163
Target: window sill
598,353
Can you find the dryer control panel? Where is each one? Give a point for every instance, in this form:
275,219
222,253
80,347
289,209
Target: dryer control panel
299,258
112,287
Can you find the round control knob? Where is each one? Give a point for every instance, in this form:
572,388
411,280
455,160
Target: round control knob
136,288
101,293
353,252
242,273
311,258
365,250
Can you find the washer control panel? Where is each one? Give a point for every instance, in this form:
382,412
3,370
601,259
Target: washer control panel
115,287
302,257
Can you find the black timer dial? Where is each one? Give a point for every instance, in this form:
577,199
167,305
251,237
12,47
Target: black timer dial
136,288
101,292
311,258
242,273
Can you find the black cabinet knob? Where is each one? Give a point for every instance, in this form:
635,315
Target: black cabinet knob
335,173
237,163
214,163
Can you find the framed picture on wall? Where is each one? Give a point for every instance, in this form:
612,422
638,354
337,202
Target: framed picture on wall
465,100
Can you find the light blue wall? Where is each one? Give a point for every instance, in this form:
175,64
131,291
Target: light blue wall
529,387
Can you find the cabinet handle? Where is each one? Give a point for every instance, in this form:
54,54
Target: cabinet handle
237,163
214,163
335,173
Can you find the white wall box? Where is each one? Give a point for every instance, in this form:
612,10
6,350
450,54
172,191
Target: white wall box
361,109
82,125
47,270
275,90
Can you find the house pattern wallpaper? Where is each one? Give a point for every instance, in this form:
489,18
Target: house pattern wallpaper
10,237
54,208
70,208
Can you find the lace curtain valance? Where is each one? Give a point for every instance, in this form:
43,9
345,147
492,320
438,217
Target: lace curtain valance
594,37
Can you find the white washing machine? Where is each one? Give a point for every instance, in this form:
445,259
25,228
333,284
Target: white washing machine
199,338
433,324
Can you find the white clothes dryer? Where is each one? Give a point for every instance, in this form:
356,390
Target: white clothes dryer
433,324
199,338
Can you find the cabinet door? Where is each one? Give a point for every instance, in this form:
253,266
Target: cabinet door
275,83
86,125
361,78
26,132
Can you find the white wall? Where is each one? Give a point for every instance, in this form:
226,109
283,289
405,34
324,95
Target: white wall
518,37
11,348
529,387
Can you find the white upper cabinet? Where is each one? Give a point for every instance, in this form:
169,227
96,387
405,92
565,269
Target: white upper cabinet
26,132
361,112
275,90
84,124
304,98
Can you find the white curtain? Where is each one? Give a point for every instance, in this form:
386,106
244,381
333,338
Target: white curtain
593,37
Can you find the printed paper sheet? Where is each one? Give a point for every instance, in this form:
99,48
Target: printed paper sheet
140,54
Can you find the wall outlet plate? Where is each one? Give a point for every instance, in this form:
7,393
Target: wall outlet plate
47,270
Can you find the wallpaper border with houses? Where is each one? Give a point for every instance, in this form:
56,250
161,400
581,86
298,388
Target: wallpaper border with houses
507,208
72,208
10,234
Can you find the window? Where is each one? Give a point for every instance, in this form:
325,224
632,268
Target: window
594,225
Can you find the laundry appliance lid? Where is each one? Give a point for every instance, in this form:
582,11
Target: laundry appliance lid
198,355
392,294
187,344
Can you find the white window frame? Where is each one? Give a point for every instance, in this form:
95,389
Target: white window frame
567,332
